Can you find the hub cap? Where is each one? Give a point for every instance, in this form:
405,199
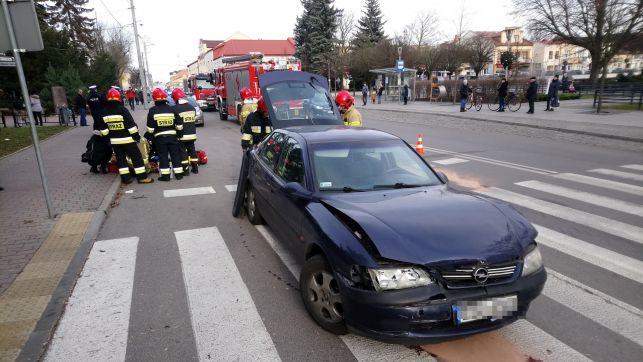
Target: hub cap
323,293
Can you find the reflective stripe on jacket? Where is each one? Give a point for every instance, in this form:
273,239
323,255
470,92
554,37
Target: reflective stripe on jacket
352,117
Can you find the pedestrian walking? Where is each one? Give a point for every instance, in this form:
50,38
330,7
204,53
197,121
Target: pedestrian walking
346,105
164,129
81,107
373,94
187,113
139,95
532,92
502,94
365,93
379,94
465,90
405,93
130,97
117,124
96,103
552,93
257,126
135,97
36,108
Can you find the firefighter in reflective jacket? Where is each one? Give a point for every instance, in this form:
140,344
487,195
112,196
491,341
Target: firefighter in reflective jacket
346,104
187,113
249,105
164,128
117,123
257,126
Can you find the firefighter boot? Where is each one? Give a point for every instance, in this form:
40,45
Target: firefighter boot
164,178
103,169
186,171
93,169
195,168
178,176
147,180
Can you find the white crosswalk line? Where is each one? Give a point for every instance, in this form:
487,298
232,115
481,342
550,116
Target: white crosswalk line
627,175
634,167
604,258
596,306
225,321
608,202
450,161
529,338
599,182
231,188
95,324
189,192
604,224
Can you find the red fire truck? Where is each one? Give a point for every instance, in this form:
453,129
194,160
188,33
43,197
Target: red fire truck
202,87
243,71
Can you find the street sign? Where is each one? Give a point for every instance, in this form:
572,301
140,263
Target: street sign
25,27
7,61
400,65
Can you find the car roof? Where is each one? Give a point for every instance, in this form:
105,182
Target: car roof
329,133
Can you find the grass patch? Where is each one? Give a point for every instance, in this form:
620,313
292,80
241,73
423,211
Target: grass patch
624,106
21,137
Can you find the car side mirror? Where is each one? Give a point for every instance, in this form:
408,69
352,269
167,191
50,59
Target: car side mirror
297,190
443,177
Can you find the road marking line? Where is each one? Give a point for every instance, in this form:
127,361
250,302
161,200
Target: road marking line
225,321
627,175
492,161
604,224
599,182
608,202
450,161
596,306
189,192
95,324
527,337
634,167
231,188
603,258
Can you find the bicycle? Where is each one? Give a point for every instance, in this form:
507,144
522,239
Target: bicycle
513,102
494,104
474,100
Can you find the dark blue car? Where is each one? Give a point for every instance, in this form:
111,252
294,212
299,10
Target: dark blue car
388,249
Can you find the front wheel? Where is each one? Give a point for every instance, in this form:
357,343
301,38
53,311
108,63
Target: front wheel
513,103
478,104
493,104
320,292
254,216
469,103
222,112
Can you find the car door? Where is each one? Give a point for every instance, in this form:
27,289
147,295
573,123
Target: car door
290,168
263,172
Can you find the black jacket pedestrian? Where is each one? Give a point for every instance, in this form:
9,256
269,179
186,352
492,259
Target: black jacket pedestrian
502,91
96,103
553,88
532,90
464,91
80,101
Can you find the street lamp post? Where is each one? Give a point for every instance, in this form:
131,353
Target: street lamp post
138,52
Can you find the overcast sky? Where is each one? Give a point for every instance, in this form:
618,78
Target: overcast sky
173,32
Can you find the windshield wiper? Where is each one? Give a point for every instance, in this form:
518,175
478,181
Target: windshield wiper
344,189
399,185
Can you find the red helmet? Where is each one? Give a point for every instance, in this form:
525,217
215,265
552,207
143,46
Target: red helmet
113,95
177,94
246,93
261,105
159,95
344,98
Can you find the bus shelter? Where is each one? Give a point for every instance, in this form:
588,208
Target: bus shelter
394,81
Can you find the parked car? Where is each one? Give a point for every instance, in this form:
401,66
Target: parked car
389,250
199,120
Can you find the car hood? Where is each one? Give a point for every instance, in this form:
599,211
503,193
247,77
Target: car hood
436,225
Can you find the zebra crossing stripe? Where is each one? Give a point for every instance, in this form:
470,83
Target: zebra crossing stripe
522,333
599,182
634,167
450,161
603,258
621,174
231,188
608,202
95,324
189,192
225,321
617,228
596,306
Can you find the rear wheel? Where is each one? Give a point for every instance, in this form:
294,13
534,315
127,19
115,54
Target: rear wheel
251,207
478,103
469,103
320,292
222,112
513,103
493,104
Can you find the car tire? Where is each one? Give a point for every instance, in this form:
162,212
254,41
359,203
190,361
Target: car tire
320,293
252,211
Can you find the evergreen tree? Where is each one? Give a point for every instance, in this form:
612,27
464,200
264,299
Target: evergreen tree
315,33
303,33
370,27
70,16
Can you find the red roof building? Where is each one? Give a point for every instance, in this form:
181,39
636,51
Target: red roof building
235,47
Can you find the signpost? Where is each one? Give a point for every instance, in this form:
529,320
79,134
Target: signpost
20,32
7,61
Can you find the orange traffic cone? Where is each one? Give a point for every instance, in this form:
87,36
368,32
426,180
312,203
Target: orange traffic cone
419,148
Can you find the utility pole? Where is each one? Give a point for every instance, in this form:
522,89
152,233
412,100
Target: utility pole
138,53
148,78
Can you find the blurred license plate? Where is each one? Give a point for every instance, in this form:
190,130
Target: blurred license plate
493,308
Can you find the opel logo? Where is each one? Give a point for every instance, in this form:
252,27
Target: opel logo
480,275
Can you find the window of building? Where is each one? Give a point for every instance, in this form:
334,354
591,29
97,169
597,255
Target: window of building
557,55
551,54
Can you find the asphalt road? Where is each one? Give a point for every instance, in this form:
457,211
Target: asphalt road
178,278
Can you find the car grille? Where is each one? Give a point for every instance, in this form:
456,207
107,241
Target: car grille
463,276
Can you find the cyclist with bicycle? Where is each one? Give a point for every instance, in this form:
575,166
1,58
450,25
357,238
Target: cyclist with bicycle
502,94
465,90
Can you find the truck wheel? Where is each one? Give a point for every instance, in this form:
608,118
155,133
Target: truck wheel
222,113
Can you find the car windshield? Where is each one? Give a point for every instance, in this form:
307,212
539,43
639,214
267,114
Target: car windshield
192,102
204,84
365,166
299,100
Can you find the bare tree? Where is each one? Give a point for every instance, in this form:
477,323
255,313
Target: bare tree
117,43
430,57
480,52
423,30
461,30
602,27
344,36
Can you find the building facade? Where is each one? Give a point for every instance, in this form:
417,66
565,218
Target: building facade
178,78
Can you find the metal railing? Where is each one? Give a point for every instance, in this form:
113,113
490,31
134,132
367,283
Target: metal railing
623,95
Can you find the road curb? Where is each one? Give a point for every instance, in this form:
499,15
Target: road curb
549,128
35,347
